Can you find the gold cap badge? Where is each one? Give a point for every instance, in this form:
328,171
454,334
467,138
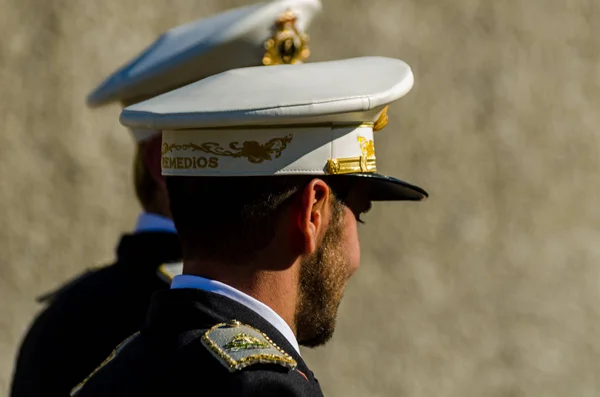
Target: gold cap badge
287,45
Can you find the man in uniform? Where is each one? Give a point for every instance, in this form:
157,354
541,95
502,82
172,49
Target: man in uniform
267,184
86,318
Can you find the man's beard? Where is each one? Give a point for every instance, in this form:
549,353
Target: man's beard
323,277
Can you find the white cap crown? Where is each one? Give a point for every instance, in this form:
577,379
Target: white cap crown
308,119
261,34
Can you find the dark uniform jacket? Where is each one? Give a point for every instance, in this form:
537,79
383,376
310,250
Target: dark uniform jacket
198,343
88,317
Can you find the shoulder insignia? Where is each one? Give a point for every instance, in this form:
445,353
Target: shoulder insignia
237,346
167,271
108,359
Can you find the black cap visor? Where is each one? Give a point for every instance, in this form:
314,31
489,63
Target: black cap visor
386,188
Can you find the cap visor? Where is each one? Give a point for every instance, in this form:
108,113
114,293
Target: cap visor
386,188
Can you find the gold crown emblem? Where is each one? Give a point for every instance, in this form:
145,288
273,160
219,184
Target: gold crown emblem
287,45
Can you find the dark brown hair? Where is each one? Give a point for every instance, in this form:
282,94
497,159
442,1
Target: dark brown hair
231,219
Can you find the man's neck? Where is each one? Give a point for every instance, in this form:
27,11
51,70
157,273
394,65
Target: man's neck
276,289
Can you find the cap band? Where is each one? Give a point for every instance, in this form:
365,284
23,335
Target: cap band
269,151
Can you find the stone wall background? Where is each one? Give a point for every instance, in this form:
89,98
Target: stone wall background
488,288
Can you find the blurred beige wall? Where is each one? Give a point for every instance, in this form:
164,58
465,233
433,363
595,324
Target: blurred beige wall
489,288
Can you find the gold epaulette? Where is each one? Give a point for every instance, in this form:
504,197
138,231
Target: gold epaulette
237,346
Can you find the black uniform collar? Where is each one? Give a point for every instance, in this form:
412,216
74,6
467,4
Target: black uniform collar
180,310
148,248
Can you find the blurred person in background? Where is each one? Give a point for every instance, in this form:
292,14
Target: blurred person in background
266,188
88,316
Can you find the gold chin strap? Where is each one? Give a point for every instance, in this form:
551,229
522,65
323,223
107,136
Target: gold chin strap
364,163
287,45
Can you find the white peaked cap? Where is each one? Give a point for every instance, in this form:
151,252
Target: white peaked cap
241,37
308,119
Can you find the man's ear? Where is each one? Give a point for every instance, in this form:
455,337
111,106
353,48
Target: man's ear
151,157
314,213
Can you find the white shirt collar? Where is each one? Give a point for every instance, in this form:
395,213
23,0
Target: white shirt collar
189,281
148,222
